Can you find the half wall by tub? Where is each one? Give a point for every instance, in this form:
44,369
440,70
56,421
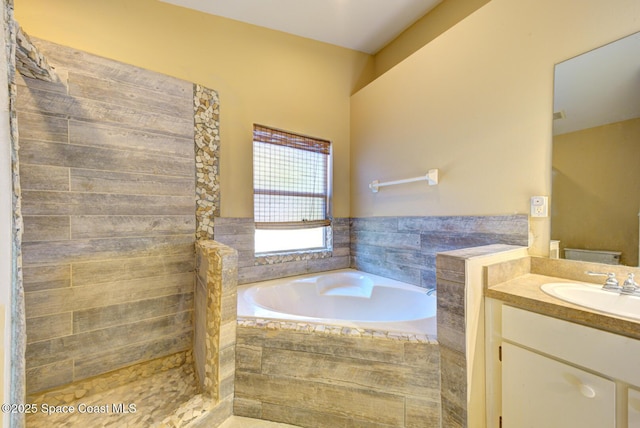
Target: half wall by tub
345,297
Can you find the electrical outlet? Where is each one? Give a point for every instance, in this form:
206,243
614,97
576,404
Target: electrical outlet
539,206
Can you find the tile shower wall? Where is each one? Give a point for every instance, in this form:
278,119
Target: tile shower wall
239,233
107,176
404,248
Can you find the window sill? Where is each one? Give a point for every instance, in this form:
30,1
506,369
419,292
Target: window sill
292,256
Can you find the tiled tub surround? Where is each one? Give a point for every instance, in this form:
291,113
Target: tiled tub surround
404,248
312,376
239,234
401,248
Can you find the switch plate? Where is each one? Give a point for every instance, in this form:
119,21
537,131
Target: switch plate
539,206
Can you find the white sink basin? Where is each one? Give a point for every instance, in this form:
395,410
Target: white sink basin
594,297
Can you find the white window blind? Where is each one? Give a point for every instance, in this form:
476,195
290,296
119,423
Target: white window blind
290,180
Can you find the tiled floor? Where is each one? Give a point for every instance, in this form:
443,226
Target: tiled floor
154,398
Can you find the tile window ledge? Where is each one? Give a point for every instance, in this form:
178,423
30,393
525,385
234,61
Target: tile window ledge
291,256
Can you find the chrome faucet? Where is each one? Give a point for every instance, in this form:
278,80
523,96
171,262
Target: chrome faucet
629,286
611,284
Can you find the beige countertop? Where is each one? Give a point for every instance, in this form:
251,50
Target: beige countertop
524,292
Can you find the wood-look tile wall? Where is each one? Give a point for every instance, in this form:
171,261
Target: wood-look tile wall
405,248
452,335
107,176
451,277
321,380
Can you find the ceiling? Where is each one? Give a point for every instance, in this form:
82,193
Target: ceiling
362,25
599,87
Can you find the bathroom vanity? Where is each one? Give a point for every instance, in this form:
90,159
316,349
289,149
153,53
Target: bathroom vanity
551,363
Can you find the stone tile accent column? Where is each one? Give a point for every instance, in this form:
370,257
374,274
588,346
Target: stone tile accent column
206,116
30,62
17,310
215,321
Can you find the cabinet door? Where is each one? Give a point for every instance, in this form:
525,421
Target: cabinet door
540,392
634,408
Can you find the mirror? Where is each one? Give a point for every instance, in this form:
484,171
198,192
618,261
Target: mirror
596,154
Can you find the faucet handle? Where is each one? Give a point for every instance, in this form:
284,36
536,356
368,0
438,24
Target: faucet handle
610,284
629,286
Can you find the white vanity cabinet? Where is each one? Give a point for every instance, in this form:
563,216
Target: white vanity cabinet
558,374
542,392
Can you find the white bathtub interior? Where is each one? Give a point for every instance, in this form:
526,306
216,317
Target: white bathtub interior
344,297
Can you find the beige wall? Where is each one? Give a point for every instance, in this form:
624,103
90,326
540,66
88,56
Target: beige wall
595,189
262,76
476,102
444,16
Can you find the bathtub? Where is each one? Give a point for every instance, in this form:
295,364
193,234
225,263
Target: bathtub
345,297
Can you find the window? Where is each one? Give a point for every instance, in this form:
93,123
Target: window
291,191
